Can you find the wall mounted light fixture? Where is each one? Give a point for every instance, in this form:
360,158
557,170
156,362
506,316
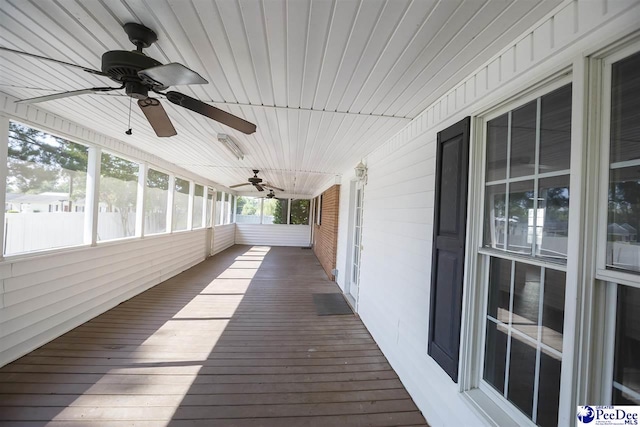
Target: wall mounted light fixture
231,145
361,171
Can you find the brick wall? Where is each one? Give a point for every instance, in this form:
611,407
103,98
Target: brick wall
325,236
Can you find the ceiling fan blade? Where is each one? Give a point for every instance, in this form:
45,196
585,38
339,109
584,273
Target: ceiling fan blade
259,187
68,64
157,116
266,184
239,185
172,74
211,112
65,94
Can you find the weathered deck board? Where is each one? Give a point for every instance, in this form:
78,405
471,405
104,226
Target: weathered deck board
234,341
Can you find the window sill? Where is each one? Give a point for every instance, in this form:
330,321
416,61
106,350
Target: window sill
491,411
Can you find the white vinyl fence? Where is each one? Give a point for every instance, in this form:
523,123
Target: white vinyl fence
28,231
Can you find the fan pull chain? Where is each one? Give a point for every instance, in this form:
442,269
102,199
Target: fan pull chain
129,132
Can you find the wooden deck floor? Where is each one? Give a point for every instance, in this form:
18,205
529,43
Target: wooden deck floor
234,341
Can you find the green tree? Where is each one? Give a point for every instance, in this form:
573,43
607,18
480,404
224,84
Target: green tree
38,162
300,211
280,212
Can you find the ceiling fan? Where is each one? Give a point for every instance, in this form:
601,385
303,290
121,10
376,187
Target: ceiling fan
257,182
271,195
139,74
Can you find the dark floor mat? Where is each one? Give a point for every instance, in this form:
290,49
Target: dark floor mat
331,304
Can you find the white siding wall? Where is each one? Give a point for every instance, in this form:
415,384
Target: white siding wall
47,295
273,234
223,237
399,197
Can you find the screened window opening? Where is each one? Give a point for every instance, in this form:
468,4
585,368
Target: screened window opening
156,201
527,178
299,214
198,205
218,209
623,222
45,191
209,208
275,211
248,210
117,198
180,204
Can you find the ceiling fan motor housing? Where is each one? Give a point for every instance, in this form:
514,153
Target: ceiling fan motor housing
123,66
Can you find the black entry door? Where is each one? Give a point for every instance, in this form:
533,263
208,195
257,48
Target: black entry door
447,268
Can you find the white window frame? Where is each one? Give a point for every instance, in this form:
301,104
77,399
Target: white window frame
481,394
602,273
606,281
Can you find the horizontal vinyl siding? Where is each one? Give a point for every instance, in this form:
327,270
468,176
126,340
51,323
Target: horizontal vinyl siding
273,234
395,272
223,237
48,295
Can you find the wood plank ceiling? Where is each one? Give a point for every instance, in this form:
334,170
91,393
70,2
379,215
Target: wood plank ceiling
325,81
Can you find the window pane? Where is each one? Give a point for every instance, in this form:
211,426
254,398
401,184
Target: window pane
555,130
45,192
623,249
225,208
233,203
275,211
497,131
155,205
553,308
118,196
495,355
626,371
522,370
553,217
209,208
529,329
521,227
180,204
625,110
549,389
218,210
526,299
299,212
248,210
523,140
499,289
198,202
494,216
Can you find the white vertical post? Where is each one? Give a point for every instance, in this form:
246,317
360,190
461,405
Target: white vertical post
172,188
93,196
142,188
192,191
4,150
289,211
